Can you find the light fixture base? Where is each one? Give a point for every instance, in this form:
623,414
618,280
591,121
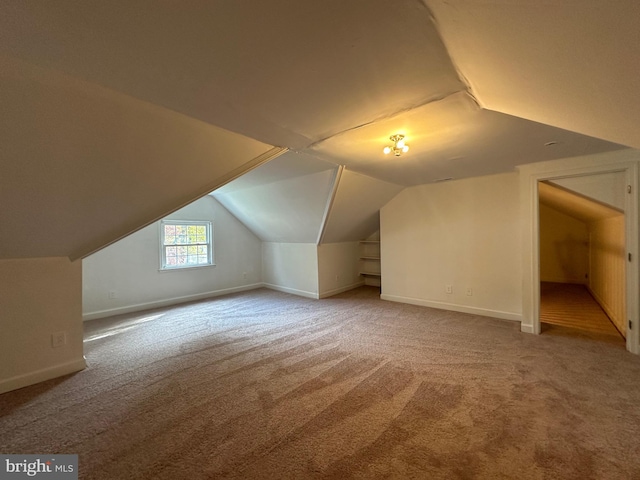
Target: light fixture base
398,147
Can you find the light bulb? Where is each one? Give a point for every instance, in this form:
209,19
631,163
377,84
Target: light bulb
387,150
405,149
400,143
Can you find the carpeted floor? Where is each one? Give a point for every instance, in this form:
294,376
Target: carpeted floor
265,385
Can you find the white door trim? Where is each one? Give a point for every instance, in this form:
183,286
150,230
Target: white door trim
620,161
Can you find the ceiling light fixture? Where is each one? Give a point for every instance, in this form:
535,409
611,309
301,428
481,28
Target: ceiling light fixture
398,147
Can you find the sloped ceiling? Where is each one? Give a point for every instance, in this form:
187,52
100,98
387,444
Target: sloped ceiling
287,166
354,214
573,204
296,74
455,138
287,73
571,64
82,166
607,188
477,87
287,208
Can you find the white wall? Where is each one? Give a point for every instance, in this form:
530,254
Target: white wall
130,267
338,268
39,297
564,250
462,233
291,268
309,270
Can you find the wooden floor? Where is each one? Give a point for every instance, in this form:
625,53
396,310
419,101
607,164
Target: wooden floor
571,306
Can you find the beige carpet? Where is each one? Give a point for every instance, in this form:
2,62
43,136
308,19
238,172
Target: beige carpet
268,385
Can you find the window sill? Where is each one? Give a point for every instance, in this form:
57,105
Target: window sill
182,269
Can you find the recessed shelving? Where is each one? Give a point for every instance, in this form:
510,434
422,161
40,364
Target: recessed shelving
370,262
371,274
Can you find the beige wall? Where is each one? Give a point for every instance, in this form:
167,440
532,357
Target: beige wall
462,233
564,251
39,297
607,267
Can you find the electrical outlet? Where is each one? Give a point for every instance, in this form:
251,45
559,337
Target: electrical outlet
58,339
337,278
244,275
112,294
448,288
469,291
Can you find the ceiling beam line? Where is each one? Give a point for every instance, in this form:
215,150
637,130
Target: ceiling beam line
330,200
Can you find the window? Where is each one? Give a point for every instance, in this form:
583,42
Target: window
185,244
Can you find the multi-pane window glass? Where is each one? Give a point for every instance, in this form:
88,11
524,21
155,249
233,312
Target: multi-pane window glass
185,244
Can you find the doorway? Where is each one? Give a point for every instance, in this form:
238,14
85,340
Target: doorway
582,255
625,162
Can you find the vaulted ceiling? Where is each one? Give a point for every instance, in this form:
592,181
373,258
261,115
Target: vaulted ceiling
476,87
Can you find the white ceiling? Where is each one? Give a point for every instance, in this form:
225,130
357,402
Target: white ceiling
340,77
572,64
287,73
455,138
355,210
288,211
82,166
285,167
297,198
477,86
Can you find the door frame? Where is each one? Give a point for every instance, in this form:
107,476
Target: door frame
621,161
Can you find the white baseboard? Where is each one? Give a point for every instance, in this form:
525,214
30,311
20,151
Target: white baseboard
336,291
293,291
26,379
454,307
527,328
167,302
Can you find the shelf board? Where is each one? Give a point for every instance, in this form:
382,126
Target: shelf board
369,241
369,258
371,274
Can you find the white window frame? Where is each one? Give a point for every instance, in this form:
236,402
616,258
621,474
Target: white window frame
164,266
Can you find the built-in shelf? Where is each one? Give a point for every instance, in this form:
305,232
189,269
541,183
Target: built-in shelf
370,262
371,274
